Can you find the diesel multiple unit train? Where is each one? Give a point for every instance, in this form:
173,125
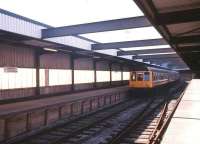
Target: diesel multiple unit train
152,78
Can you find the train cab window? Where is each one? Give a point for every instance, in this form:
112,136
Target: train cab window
146,76
139,76
133,76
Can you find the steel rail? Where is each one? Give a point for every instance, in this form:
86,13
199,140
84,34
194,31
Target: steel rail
155,139
159,124
134,123
163,119
93,124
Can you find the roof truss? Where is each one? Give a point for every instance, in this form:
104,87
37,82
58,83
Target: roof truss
179,16
128,44
111,25
158,56
145,51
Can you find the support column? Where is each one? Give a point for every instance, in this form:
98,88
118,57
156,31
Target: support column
110,68
37,67
95,73
121,68
46,77
72,68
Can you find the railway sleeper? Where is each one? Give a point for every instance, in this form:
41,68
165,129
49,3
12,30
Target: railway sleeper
149,124
151,120
139,136
147,127
143,132
49,137
144,129
72,140
141,141
63,130
57,133
135,140
38,141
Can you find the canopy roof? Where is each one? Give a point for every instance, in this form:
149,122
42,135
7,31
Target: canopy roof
113,27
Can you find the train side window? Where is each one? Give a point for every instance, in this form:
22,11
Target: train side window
139,76
146,76
133,76
161,76
154,76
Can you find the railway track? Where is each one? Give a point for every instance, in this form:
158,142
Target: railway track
136,121
99,128
69,130
103,131
149,128
143,120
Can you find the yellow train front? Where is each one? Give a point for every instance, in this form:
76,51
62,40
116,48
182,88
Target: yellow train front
152,78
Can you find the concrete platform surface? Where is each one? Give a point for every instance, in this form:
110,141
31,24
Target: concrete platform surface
185,125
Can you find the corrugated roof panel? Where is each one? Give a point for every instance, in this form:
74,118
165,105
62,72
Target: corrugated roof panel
175,5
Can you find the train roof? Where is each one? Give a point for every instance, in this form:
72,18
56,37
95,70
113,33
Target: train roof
159,69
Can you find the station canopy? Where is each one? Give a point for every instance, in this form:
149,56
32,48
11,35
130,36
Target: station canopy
117,28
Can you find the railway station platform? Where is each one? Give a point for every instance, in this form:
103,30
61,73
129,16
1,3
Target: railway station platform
32,116
185,124
50,101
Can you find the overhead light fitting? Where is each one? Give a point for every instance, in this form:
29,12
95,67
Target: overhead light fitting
50,49
96,57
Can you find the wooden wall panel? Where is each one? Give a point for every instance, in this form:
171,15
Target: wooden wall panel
16,125
66,111
83,64
37,119
15,56
53,115
126,69
55,89
83,86
116,67
16,93
2,130
102,66
55,61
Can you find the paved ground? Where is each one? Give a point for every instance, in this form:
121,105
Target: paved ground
185,125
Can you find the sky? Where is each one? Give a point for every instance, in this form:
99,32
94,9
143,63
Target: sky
125,35
69,12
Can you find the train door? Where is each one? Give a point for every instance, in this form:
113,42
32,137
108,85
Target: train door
133,76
